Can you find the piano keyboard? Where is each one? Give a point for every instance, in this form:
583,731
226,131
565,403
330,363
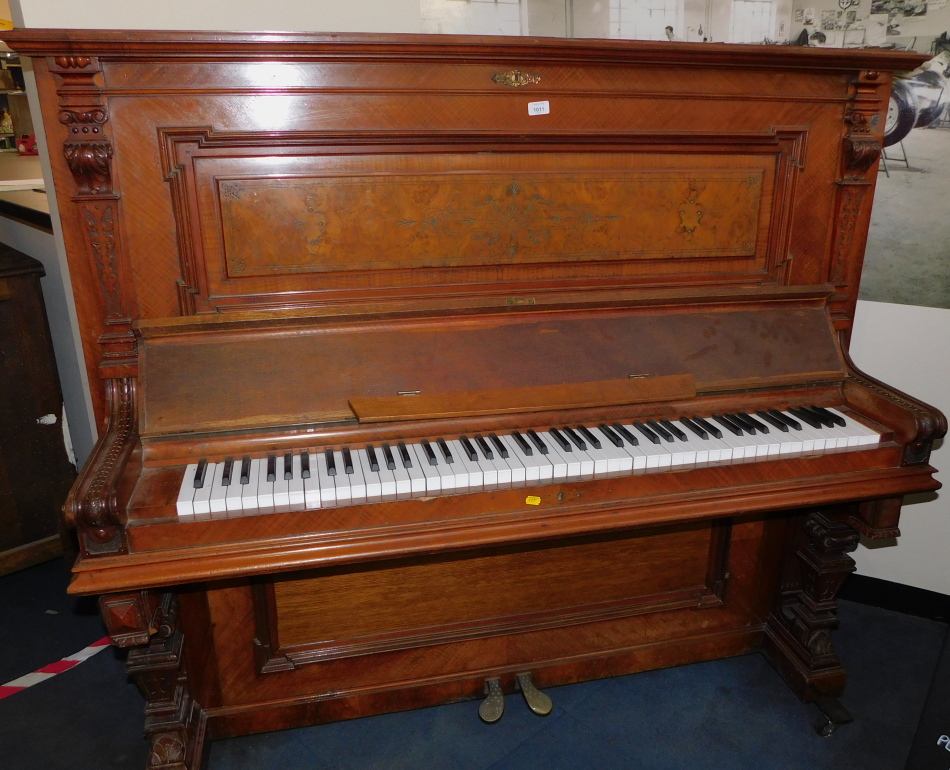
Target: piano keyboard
400,470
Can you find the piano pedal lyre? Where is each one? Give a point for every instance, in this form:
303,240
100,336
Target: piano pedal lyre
537,701
493,707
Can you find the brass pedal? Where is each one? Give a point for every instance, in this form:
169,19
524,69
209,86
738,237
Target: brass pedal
537,701
493,707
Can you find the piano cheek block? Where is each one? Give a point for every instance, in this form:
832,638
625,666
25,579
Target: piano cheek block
410,255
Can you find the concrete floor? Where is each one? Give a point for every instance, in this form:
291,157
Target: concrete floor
908,253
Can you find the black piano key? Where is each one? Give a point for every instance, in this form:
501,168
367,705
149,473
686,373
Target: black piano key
701,432
525,446
707,426
728,425
331,463
499,445
673,429
805,417
773,421
305,464
226,473
612,437
659,430
837,419
747,426
793,424
347,460
430,455
468,449
575,439
200,473
625,434
404,455
388,457
245,469
288,466
272,467
561,441
825,421
758,424
483,445
446,452
373,460
538,442
589,437
654,439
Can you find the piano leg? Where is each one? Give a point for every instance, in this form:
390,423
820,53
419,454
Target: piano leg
175,723
798,630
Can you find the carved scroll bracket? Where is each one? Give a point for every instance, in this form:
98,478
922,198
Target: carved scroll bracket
93,504
174,723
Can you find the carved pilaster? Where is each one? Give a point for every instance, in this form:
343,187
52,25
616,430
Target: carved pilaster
799,628
88,152
174,723
94,503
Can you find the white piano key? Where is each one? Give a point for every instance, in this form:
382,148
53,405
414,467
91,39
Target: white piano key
325,480
445,470
374,484
812,439
202,500
341,481
599,457
265,489
502,469
536,465
281,487
296,499
401,475
249,493
186,492
232,499
358,488
682,454
311,485
217,501
417,478
431,476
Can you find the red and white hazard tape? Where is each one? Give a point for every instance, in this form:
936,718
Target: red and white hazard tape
42,674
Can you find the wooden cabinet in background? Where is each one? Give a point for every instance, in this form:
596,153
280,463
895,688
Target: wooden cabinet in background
35,472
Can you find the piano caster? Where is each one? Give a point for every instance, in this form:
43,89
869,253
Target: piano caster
833,715
537,701
493,707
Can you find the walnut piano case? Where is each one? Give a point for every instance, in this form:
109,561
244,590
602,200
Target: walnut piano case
295,243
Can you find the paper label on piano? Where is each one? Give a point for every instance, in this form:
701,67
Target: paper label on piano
539,108
533,500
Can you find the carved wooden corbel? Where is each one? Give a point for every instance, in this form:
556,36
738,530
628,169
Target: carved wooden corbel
93,506
175,724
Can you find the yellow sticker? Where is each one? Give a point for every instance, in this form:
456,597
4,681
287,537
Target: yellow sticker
532,500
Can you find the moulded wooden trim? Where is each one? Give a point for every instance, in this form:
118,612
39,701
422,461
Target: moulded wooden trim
130,44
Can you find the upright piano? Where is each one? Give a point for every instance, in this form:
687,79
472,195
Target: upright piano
429,368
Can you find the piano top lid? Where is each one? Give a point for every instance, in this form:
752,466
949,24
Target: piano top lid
150,44
231,377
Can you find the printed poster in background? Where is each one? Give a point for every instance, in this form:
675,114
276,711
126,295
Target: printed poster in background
809,16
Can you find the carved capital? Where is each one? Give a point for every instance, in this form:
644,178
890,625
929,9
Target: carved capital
91,165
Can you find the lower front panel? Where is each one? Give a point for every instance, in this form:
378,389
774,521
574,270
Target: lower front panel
329,644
